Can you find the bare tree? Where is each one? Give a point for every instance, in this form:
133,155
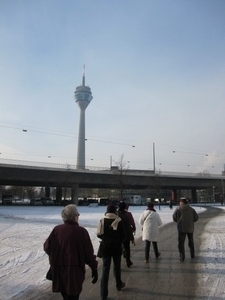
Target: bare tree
121,172
22,192
31,192
205,194
204,173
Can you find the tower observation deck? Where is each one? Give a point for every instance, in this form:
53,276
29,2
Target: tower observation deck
83,97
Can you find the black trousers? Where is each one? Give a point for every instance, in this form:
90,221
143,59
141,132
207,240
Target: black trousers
126,249
147,249
105,273
181,242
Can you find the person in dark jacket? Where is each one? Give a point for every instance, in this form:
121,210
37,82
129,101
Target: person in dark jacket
185,217
171,204
131,219
129,233
69,248
112,233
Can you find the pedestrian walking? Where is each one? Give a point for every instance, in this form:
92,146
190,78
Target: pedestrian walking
111,231
129,233
150,221
131,219
69,248
185,216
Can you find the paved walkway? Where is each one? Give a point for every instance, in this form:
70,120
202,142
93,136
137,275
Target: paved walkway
167,278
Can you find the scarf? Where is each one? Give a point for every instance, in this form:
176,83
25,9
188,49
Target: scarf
114,225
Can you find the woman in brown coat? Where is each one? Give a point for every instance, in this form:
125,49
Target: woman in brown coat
69,248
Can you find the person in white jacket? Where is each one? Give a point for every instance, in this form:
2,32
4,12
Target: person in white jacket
150,221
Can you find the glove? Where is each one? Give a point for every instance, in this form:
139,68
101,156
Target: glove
94,276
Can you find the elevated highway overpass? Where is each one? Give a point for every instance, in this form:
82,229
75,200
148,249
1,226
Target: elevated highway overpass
65,176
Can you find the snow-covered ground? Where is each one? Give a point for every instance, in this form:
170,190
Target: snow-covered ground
23,230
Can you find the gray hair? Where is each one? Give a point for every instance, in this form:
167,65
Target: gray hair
69,212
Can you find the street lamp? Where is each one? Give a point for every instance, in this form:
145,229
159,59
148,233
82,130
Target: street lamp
222,201
154,157
110,162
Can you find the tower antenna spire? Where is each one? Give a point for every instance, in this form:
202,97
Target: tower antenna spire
83,78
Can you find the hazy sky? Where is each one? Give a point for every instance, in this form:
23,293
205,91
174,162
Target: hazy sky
156,69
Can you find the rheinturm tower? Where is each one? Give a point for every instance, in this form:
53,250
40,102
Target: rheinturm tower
83,97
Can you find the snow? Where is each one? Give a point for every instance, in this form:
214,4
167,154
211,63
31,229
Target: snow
23,230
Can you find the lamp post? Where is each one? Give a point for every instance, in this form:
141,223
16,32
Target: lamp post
222,201
154,157
110,163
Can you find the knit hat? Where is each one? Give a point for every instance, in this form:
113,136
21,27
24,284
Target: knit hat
111,209
150,205
184,200
122,205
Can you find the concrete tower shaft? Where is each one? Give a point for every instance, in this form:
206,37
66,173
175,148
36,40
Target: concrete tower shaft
83,97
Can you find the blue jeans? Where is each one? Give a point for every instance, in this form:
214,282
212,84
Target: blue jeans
105,273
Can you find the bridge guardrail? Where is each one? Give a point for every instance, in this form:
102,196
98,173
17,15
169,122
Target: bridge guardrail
68,167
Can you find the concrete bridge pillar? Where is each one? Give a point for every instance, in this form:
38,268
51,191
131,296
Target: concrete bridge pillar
58,194
174,195
194,195
74,194
47,192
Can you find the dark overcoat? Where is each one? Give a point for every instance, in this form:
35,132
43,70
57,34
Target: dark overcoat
112,239
185,216
129,233
69,248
